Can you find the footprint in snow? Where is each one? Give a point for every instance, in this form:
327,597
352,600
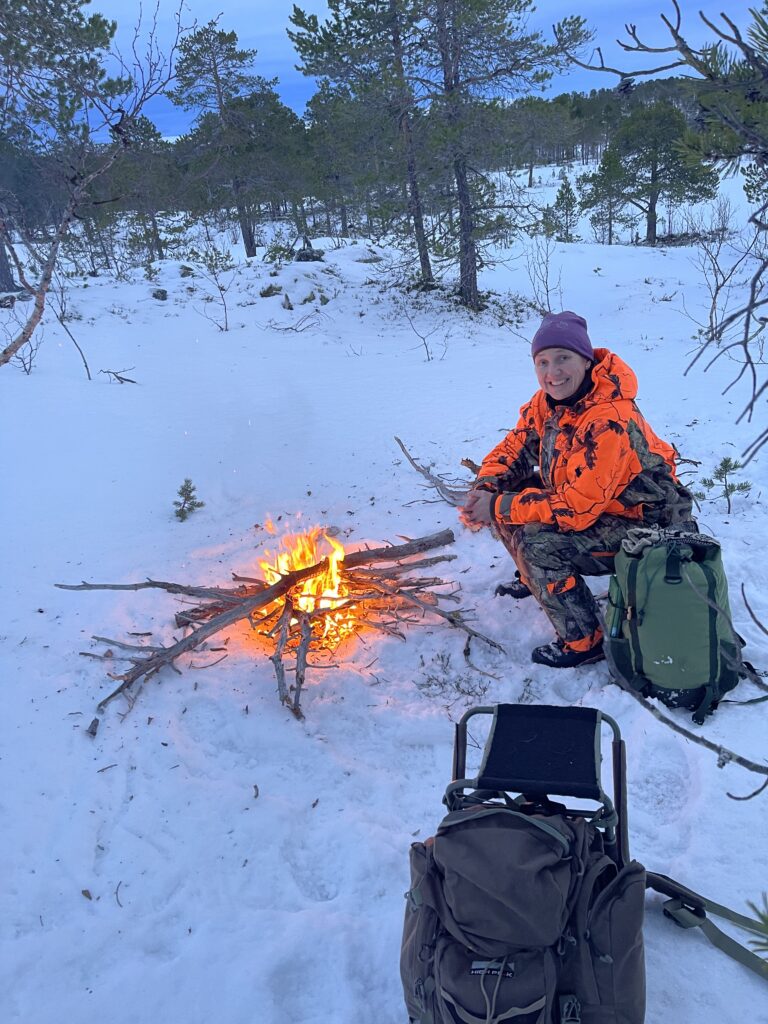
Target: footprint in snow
312,870
662,797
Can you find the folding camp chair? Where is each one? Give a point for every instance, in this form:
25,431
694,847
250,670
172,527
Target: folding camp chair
539,751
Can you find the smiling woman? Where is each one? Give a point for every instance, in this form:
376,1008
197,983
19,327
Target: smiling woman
561,372
563,488
562,354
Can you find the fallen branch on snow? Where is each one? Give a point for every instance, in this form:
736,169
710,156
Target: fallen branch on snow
450,489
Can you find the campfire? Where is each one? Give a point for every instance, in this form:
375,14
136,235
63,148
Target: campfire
328,594
312,597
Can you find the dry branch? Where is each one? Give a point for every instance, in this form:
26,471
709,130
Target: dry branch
451,490
171,588
283,628
454,618
393,553
301,663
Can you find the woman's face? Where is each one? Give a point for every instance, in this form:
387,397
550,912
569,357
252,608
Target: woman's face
560,372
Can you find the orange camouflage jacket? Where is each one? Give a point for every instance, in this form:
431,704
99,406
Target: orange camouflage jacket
596,457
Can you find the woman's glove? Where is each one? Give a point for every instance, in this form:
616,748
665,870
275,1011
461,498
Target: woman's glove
478,509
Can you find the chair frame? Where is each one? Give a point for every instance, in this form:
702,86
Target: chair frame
610,817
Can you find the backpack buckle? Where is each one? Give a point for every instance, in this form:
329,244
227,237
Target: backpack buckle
570,1010
682,914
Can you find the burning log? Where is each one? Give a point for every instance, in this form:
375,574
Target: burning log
300,607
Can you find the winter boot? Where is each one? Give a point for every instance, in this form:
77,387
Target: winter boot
558,655
515,588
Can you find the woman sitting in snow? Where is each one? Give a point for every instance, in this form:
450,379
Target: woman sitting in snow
563,488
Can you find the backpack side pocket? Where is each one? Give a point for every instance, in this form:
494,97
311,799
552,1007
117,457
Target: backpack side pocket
614,934
417,952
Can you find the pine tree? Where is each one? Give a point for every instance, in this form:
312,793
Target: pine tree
760,945
538,130
565,213
469,47
605,192
445,55
148,181
365,50
356,164
648,143
213,76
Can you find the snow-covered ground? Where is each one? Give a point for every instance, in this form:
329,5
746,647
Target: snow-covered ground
143,879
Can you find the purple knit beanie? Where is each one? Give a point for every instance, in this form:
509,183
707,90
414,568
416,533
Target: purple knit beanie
563,330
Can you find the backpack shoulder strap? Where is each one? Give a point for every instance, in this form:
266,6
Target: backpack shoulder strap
689,909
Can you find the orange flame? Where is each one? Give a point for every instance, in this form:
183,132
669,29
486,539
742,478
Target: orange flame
324,592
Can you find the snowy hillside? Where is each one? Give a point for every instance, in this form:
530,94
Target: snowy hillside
144,879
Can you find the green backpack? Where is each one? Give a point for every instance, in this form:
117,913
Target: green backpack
669,632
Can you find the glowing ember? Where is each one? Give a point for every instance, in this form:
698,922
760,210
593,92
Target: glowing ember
325,592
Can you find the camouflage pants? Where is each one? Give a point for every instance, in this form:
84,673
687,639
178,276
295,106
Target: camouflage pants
552,563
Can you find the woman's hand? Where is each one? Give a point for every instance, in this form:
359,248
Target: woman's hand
477,511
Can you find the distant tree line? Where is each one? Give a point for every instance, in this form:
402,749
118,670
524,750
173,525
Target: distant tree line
425,114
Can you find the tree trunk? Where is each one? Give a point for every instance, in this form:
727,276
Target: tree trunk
344,220
468,291
107,253
651,219
244,220
299,216
449,47
156,237
653,199
415,209
246,229
7,284
41,290
304,221
94,241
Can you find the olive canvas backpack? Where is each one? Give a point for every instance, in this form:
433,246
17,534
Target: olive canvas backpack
526,911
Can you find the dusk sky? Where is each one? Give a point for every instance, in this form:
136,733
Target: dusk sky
261,25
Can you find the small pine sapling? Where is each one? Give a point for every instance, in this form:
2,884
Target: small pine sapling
188,503
725,469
